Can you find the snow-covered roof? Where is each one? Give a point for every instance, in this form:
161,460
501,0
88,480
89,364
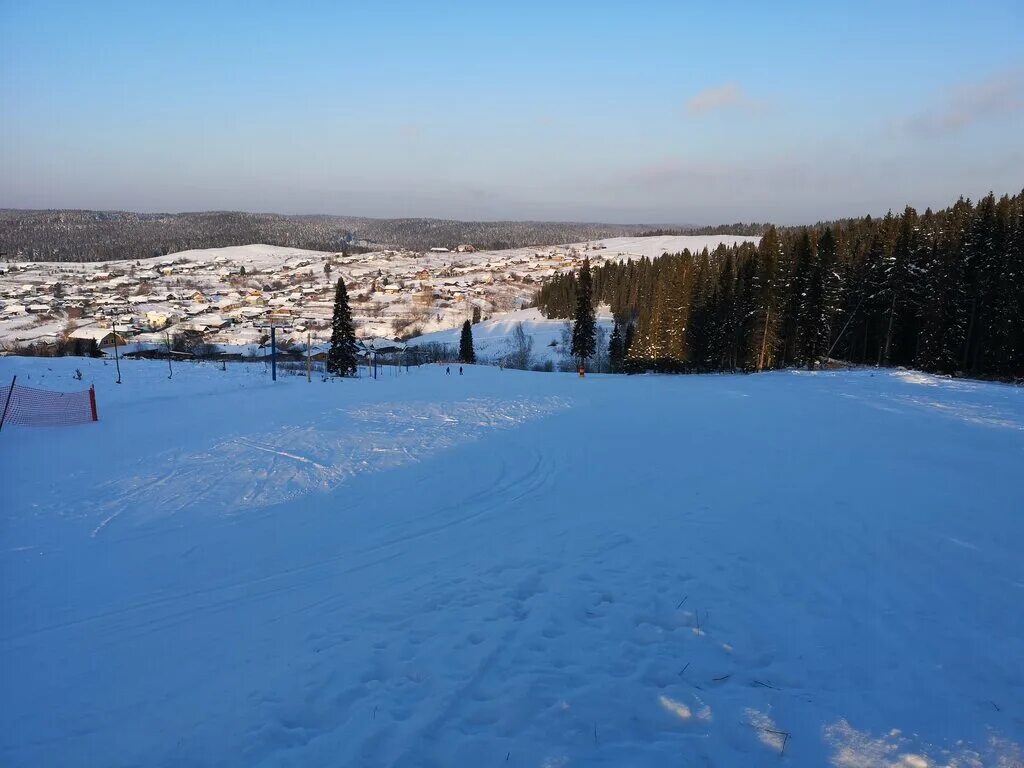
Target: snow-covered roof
91,333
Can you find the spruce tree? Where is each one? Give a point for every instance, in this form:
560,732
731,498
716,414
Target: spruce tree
466,353
583,339
341,358
627,340
767,307
616,350
817,305
942,311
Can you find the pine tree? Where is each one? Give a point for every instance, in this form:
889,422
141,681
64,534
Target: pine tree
627,340
817,305
583,340
466,353
942,310
616,350
764,337
799,257
341,359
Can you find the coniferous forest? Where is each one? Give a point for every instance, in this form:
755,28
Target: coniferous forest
941,291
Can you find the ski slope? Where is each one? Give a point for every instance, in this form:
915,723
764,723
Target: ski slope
511,568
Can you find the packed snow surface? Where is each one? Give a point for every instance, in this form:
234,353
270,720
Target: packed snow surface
511,568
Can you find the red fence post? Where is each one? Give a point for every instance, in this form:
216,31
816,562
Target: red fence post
92,402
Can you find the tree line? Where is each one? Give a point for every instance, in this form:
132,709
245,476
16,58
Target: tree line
84,236
941,291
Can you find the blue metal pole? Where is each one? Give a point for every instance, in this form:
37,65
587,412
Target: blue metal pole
273,354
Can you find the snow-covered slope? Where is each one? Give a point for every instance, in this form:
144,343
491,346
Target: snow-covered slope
492,339
511,568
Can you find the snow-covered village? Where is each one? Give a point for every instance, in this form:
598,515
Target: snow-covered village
226,299
545,385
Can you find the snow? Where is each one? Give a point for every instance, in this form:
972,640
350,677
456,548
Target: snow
513,568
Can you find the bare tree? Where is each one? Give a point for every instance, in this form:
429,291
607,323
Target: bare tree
520,352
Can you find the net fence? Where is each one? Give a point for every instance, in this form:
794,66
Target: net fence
32,407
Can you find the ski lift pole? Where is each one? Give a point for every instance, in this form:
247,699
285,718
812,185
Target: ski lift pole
309,359
117,362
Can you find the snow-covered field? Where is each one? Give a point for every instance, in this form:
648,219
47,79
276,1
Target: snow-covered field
512,568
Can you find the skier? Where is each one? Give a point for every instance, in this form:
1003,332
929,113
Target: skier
460,370
448,371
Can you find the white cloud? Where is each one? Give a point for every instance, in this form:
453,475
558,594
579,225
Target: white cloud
721,97
960,106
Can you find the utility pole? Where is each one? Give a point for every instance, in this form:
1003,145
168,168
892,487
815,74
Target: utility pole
309,359
167,340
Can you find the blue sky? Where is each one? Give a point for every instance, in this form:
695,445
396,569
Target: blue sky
633,112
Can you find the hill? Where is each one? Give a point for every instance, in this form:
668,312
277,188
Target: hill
75,235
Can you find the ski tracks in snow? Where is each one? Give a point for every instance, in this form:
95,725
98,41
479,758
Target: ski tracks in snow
266,468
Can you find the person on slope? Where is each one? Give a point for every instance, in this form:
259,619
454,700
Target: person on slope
460,370
448,371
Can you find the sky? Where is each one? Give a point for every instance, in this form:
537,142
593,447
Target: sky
641,112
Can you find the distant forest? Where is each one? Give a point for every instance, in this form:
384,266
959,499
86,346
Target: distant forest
72,235
941,291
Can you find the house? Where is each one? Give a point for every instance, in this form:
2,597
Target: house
157,320
380,346
465,248
104,337
439,250
204,323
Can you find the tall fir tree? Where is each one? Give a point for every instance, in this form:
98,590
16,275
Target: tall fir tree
583,329
342,357
942,307
466,353
627,340
616,350
766,303
817,305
